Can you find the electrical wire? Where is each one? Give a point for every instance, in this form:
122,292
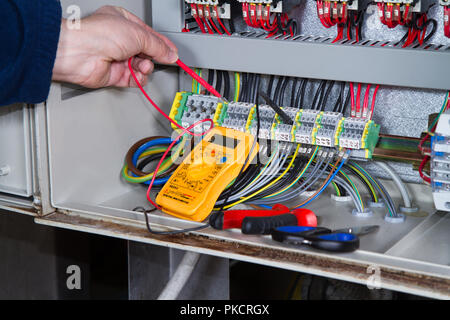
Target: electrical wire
398,182
327,181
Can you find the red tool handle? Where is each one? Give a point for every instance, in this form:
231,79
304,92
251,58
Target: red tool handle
233,218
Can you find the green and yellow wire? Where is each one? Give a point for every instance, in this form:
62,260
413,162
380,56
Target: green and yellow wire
237,86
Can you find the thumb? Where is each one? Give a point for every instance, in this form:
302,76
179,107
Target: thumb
155,48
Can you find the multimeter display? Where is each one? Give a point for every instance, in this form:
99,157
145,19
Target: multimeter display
215,162
224,141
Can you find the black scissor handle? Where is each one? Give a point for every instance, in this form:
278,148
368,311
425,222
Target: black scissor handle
336,242
296,234
318,238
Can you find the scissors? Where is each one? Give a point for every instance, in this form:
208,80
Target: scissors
341,240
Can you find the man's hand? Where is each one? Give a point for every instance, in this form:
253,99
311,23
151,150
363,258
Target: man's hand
97,55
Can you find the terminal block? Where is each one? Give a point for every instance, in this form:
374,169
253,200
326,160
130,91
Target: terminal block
236,115
189,108
266,118
446,5
282,131
276,6
206,8
327,126
417,6
440,163
310,127
304,125
358,133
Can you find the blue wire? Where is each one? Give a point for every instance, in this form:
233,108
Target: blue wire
328,182
145,146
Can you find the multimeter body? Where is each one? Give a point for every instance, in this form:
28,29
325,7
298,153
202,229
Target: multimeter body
212,165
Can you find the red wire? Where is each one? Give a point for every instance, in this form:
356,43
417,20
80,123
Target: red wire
372,108
220,22
358,100
366,100
421,167
447,21
352,99
381,7
185,68
199,79
214,26
197,19
210,31
320,14
327,13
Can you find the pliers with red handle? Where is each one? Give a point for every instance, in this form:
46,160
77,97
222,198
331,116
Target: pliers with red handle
262,221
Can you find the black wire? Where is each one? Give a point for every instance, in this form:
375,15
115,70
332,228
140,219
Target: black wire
144,162
294,89
244,87
256,88
301,95
227,84
346,103
210,78
270,86
147,223
325,98
340,99
278,88
316,95
231,26
250,87
433,31
219,82
283,90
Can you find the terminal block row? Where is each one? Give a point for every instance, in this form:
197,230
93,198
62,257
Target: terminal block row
309,127
440,163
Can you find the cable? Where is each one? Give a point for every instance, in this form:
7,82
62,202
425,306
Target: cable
302,172
382,191
327,181
325,98
227,84
316,95
398,181
237,86
180,277
268,185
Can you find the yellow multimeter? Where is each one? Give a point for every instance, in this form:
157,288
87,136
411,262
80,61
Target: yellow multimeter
212,165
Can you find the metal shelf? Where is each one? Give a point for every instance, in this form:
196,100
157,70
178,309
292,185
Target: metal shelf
317,58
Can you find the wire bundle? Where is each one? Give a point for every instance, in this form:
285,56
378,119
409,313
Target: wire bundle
204,16
255,16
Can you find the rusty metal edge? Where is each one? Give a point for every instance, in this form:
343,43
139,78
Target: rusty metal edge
391,278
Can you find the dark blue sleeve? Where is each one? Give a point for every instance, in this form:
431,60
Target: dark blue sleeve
29,34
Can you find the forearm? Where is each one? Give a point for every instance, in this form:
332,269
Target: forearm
30,32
